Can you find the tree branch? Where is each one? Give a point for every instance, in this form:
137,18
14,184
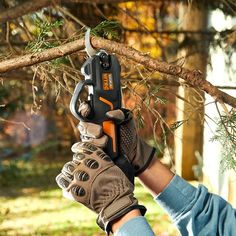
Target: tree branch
193,77
176,32
24,8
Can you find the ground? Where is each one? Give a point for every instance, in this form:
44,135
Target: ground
32,204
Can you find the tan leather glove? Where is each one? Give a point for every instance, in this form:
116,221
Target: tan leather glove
95,181
138,152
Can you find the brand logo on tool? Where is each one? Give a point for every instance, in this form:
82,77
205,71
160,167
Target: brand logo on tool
107,81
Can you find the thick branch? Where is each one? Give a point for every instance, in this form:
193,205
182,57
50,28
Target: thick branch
46,55
193,78
24,8
176,32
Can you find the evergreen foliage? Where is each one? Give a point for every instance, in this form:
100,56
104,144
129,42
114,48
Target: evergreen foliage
109,29
226,135
43,31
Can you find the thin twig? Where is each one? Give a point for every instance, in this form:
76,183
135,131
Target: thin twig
64,11
14,122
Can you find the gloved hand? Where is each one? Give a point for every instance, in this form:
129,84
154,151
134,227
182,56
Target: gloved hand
138,152
95,181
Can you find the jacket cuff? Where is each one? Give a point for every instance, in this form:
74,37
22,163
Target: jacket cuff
135,226
177,197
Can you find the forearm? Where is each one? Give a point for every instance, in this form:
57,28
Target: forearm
156,177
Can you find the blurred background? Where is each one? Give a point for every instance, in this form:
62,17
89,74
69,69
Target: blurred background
194,135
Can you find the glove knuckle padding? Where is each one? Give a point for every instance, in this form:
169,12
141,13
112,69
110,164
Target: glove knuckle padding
94,163
77,157
68,168
62,181
99,184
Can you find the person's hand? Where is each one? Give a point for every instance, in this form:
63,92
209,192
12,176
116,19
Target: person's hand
95,181
139,153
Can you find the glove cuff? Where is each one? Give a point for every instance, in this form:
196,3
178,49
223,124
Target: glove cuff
144,156
117,209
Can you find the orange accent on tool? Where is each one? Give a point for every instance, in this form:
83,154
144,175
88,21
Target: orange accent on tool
109,129
107,102
109,126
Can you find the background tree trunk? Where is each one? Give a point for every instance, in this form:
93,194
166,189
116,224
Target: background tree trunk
189,136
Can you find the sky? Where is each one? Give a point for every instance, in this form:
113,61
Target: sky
217,75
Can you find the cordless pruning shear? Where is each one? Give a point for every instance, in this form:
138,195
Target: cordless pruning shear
102,78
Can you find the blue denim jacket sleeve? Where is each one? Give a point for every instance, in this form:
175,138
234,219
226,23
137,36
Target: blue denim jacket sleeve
195,211
137,226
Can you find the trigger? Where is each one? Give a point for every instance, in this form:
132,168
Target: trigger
109,129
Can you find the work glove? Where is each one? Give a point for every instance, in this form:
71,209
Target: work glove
95,181
138,152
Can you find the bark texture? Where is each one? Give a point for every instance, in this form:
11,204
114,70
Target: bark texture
24,8
193,77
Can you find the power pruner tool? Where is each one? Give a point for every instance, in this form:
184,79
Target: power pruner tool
102,78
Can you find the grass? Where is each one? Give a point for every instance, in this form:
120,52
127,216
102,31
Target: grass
32,204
